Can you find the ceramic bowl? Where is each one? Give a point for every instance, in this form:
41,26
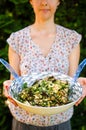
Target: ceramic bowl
74,95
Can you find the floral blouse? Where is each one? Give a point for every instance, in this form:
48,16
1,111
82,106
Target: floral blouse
32,60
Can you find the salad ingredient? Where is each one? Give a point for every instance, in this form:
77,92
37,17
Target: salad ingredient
47,92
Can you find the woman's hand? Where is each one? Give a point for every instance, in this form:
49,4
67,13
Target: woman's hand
6,85
82,82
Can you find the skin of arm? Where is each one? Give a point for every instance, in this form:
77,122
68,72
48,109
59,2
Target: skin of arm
14,61
74,60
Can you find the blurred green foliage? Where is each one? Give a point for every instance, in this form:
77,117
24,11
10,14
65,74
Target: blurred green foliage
16,14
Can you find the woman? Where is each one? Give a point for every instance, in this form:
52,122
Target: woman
43,46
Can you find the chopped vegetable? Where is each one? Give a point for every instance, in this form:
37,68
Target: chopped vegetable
47,92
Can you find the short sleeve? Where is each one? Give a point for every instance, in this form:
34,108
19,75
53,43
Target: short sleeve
75,38
13,42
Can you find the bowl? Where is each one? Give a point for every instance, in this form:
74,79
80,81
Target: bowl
74,95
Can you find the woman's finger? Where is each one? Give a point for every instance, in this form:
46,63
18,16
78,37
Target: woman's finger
6,85
80,100
12,101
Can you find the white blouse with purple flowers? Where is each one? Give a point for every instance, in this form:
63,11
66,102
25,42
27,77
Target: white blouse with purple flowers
32,60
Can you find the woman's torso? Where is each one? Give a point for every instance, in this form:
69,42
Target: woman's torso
33,60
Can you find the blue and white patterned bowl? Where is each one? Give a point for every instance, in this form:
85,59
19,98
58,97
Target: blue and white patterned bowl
16,87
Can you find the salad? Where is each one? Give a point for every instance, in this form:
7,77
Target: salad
47,92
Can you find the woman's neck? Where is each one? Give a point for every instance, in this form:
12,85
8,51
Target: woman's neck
44,25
